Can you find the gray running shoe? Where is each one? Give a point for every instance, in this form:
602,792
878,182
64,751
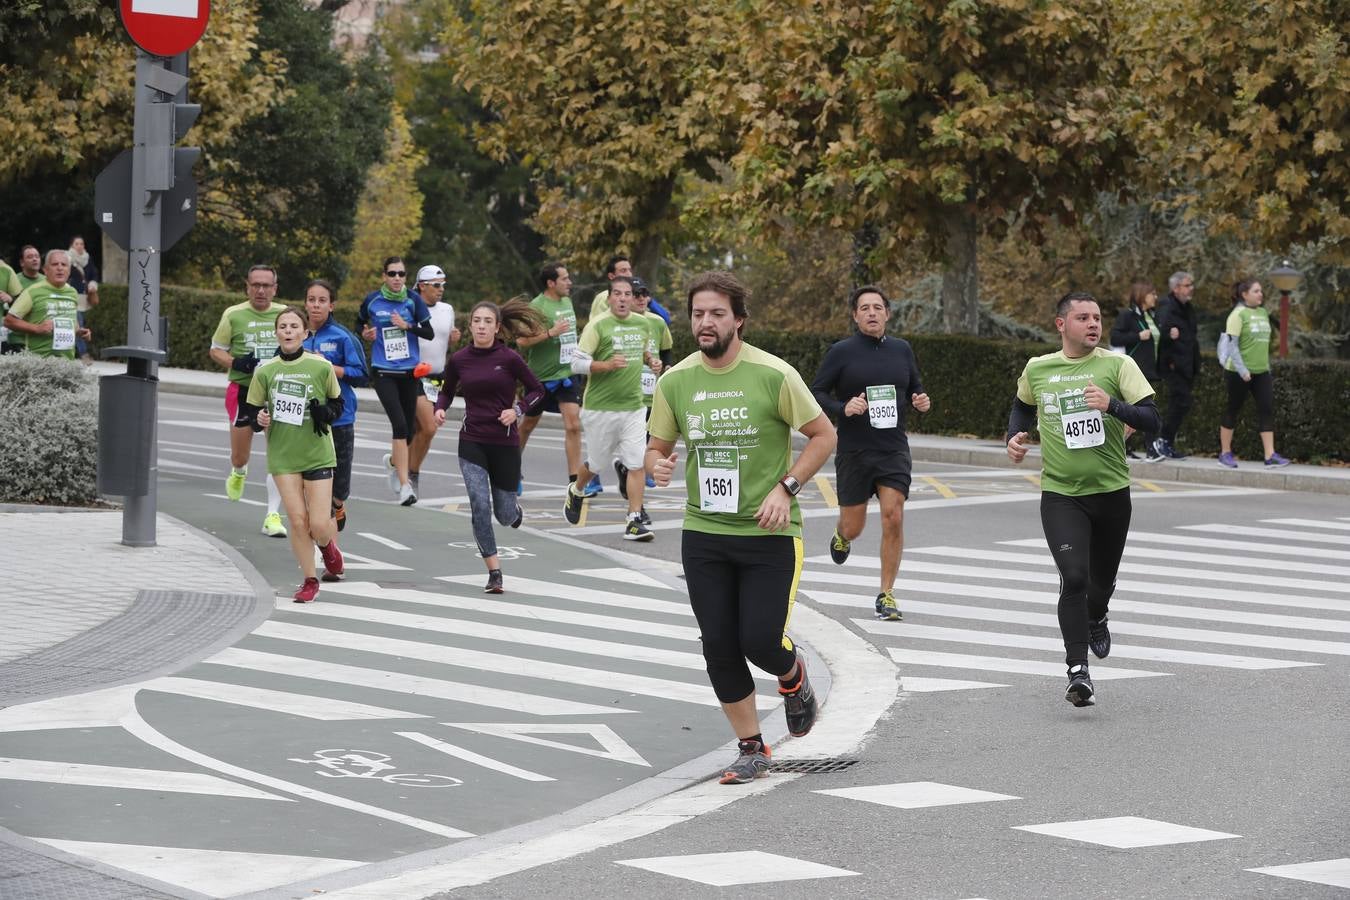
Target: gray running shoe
753,761
1099,638
799,701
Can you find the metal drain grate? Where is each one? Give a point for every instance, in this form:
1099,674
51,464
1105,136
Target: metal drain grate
814,766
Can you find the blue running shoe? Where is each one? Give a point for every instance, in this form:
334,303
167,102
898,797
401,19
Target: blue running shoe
651,482
593,487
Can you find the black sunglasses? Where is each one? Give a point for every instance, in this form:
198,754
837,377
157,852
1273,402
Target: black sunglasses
392,274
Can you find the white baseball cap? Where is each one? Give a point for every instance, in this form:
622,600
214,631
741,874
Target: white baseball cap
430,273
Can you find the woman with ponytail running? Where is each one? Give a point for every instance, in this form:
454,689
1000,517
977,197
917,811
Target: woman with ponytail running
485,374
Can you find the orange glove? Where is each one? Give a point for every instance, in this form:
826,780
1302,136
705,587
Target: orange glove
421,370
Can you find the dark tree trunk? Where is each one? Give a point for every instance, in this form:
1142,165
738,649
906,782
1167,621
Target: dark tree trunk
651,216
960,276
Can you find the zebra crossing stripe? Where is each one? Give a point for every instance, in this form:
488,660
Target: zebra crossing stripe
1276,533
1186,540
1055,645
582,594
324,709
416,685
89,775
1307,523
999,664
533,669
1228,562
624,576
511,608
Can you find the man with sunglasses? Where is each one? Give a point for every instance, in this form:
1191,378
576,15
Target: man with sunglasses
431,287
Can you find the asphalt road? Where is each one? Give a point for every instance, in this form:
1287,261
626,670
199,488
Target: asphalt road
1217,745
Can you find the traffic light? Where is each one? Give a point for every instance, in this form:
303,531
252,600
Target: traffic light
168,120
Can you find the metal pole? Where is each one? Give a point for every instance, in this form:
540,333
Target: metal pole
1284,324
138,516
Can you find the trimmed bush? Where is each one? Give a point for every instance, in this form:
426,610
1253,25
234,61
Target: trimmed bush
48,431
972,380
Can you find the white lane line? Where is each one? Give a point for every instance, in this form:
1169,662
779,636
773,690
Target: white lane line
1118,626
479,660
1146,555
1308,523
177,466
209,424
731,868
216,873
323,709
625,576
1216,577
392,545
140,729
87,775
913,685
469,756
583,594
1311,537
1333,872
468,628
244,500
1119,605
514,609
998,664
1126,832
916,794
397,682
1186,540
1055,644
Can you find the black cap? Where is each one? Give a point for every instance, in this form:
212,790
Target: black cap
639,286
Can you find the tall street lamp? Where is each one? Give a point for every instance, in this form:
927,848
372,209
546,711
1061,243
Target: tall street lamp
1286,279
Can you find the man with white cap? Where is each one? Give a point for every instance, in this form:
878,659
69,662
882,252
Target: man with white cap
433,353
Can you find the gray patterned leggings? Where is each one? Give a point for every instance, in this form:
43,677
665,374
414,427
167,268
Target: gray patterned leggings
486,500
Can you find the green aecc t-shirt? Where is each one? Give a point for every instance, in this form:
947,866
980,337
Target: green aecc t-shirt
285,388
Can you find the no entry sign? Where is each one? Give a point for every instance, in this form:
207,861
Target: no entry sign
165,27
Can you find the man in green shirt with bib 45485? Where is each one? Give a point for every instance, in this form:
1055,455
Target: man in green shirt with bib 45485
1082,398
46,313
736,408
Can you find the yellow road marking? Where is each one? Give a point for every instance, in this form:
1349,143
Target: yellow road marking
1034,479
1148,485
450,507
585,508
940,487
827,491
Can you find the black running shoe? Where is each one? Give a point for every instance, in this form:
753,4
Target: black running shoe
520,516
1099,638
636,531
622,471
572,506
839,549
646,519
494,584
799,702
1080,692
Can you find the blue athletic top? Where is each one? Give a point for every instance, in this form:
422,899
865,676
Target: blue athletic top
394,349
341,348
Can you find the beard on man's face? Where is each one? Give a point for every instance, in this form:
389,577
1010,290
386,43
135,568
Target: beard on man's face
719,346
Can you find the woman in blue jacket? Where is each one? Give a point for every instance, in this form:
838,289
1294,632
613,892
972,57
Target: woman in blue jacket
341,348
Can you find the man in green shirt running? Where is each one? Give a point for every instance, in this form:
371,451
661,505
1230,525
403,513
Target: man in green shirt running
30,266
612,351
736,408
245,337
9,289
46,313
1082,398
549,356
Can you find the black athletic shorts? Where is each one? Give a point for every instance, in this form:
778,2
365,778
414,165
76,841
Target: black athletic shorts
317,475
564,390
858,472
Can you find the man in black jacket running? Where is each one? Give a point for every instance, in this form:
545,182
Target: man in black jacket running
866,382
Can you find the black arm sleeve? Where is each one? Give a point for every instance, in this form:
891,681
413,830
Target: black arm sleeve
822,388
666,357
1142,416
1022,418
424,331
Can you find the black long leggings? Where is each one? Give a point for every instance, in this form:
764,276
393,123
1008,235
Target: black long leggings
1086,536
741,589
398,392
1261,387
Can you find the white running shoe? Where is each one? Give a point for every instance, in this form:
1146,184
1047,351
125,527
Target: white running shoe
406,495
394,484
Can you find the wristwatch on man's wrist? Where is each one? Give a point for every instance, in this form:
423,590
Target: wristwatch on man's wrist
791,485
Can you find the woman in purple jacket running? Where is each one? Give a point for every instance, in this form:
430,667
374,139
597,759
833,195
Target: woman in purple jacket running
485,374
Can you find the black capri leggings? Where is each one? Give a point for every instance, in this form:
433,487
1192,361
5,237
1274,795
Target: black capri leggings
1086,536
344,443
1262,387
741,589
398,393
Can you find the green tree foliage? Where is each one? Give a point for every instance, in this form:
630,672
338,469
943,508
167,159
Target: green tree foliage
285,188
918,124
475,209
606,103
389,214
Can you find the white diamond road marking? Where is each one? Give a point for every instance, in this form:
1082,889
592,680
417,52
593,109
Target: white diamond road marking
916,685
740,867
1126,832
624,576
999,664
916,794
1333,872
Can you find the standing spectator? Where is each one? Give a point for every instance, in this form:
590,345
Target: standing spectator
1137,334
45,312
1178,358
9,289
30,266
434,352
1244,351
84,278
343,351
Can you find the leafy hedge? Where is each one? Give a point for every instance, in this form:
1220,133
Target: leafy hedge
48,431
971,381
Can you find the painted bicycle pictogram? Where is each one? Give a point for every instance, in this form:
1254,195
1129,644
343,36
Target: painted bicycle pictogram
342,763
